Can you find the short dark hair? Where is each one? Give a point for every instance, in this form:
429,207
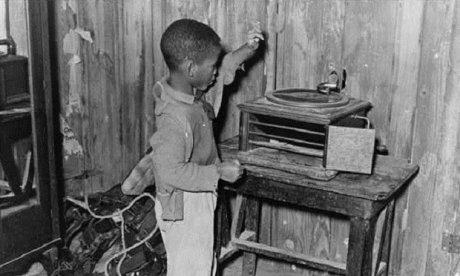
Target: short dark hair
187,38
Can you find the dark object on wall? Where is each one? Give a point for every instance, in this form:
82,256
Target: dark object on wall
450,243
14,77
88,238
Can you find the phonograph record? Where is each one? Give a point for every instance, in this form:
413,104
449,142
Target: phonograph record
314,132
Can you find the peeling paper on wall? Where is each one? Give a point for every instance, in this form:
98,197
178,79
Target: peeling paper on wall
64,5
86,35
71,45
71,42
74,101
70,143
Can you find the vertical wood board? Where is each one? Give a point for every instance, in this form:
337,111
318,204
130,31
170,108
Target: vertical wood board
405,77
424,207
445,197
368,55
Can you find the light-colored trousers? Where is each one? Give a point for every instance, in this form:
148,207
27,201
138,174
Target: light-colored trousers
189,242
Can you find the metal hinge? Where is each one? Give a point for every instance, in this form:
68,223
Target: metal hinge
450,243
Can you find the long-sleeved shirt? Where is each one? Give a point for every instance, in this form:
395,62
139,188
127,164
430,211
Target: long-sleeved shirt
184,153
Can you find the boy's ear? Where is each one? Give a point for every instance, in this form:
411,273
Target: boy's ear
189,67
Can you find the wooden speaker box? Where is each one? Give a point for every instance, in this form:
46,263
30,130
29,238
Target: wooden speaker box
14,80
350,149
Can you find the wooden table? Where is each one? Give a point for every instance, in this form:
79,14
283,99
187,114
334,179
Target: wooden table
359,197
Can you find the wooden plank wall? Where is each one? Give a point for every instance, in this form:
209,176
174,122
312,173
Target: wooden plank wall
401,55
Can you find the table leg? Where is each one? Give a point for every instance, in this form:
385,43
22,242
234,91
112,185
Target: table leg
238,216
360,244
222,231
9,164
385,242
251,224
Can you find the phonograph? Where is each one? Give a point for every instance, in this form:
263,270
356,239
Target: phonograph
313,132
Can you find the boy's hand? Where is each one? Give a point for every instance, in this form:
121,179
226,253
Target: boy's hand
230,171
255,36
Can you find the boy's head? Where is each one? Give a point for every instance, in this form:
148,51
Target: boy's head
193,48
188,38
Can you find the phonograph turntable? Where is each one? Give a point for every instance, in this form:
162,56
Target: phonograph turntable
316,133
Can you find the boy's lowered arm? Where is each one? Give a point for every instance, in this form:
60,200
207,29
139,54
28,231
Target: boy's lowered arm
170,166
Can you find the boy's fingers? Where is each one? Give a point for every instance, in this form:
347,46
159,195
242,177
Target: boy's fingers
256,36
239,168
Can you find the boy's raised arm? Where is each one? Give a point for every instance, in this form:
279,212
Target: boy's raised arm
231,62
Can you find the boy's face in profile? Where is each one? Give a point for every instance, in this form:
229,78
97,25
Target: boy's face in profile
206,71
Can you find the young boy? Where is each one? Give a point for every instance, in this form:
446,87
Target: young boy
184,158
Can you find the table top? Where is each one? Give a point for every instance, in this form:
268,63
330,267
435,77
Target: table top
389,175
323,116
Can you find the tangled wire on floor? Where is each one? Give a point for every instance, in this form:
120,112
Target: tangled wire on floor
118,215
107,228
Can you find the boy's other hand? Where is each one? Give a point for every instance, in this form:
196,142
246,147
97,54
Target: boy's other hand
255,36
230,171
